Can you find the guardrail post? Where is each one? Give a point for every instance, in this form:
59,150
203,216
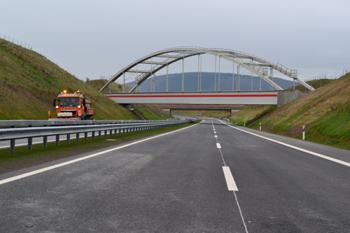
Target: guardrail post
30,143
45,141
13,142
57,140
99,134
93,135
77,137
68,138
105,133
85,136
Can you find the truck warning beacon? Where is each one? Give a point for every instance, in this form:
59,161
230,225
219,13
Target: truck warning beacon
72,107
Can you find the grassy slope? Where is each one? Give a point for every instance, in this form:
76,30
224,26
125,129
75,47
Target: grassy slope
147,111
29,82
317,83
325,112
99,83
205,113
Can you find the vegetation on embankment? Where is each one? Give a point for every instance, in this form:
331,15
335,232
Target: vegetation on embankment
317,83
325,112
29,82
144,111
114,87
205,113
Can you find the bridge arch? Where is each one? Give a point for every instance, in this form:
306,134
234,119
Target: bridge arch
256,65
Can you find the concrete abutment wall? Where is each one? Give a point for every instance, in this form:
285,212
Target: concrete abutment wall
284,97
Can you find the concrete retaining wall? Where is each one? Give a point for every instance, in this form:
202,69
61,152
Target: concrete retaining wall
285,97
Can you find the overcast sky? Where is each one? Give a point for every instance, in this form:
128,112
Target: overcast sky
90,38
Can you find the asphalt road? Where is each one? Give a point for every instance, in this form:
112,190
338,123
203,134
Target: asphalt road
176,183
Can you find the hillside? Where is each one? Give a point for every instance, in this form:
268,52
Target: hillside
325,112
114,87
29,82
191,82
143,111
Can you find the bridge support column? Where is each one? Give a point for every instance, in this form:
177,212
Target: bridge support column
167,111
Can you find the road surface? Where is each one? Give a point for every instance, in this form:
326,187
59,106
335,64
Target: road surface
210,177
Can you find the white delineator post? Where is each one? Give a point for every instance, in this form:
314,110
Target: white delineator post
303,132
260,127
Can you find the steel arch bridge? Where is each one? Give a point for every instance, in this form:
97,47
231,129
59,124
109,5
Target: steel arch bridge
256,65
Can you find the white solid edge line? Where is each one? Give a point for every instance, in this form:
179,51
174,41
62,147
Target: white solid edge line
218,145
296,148
231,184
4,181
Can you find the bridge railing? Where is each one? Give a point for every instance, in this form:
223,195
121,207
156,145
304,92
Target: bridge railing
114,127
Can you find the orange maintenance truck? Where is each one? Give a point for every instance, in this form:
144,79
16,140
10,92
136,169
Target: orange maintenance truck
72,107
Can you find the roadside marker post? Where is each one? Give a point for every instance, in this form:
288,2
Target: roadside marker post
304,132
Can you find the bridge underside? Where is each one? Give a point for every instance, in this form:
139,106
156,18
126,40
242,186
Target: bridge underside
245,98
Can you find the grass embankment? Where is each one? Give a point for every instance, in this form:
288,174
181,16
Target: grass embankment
325,112
317,83
150,112
114,87
205,113
29,82
145,111
24,158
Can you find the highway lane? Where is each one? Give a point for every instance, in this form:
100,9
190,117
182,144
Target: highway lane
286,190
175,183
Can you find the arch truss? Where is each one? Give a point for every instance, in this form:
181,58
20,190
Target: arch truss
165,57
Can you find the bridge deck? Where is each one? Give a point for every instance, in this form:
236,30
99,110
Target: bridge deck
243,97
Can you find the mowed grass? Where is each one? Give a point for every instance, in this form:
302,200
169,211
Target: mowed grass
29,82
205,113
150,112
325,113
25,158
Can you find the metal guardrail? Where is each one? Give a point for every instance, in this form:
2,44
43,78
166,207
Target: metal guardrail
57,128
30,123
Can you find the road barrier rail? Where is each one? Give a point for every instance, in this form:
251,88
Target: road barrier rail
44,129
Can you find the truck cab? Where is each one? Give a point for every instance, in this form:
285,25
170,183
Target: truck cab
73,106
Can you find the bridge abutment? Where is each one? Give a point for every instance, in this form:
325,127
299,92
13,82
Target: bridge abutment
167,111
284,97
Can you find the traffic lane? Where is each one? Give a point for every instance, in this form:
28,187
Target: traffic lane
191,191
282,189
333,152
148,187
